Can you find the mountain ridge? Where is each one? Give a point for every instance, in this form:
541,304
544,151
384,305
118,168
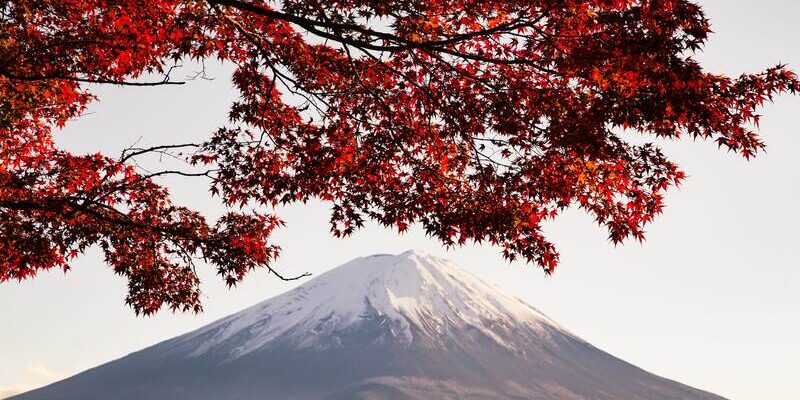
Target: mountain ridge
384,327
403,290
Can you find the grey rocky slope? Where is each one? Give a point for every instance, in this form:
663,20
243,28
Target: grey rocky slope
385,327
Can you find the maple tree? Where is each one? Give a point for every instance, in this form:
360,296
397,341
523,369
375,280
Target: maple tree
477,119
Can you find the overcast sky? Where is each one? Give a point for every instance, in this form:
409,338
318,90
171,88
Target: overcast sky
711,299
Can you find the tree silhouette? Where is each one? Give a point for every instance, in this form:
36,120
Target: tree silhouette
477,119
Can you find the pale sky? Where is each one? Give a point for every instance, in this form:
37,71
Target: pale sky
711,299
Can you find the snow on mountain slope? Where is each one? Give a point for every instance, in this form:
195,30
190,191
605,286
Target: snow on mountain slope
385,327
431,293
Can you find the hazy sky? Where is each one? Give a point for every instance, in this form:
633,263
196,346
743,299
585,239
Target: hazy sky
711,299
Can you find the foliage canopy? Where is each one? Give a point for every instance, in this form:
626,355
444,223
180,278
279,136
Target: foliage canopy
477,119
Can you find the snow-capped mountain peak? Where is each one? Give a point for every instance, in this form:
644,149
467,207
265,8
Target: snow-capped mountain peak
414,293
385,327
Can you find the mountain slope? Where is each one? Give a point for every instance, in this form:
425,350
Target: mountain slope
385,327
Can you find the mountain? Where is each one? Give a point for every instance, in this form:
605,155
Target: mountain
385,327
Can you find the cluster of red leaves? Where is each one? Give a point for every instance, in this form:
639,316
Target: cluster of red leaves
477,119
